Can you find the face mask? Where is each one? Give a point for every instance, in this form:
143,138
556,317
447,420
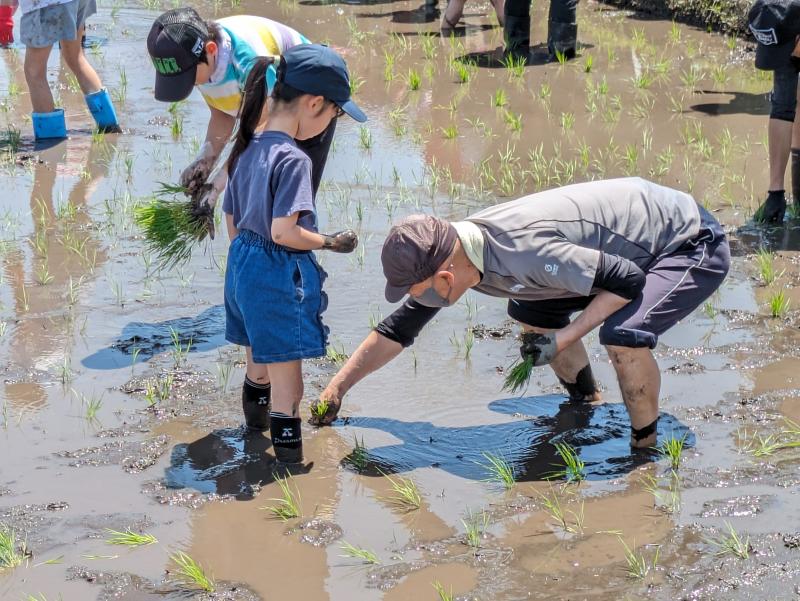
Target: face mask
431,298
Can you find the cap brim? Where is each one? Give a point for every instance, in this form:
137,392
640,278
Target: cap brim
174,88
351,108
394,294
769,58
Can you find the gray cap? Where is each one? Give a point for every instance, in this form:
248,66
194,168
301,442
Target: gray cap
413,251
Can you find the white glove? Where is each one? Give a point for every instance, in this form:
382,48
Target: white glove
195,175
209,196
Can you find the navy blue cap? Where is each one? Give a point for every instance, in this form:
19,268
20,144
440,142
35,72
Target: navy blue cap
775,24
318,70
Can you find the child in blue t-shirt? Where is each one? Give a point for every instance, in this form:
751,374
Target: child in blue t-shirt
273,283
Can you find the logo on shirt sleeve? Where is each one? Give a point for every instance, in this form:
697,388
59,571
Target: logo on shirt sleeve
551,268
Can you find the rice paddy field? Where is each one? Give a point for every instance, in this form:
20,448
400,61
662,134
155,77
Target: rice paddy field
125,470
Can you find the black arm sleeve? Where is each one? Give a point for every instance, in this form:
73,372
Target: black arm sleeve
407,322
619,275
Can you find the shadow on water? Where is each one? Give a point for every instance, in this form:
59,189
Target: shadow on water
426,13
741,103
599,433
205,332
229,461
495,59
750,238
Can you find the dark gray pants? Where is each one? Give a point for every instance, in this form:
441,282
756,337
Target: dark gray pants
562,29
317,149
675,285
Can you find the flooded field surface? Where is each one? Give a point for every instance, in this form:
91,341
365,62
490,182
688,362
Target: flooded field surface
121,408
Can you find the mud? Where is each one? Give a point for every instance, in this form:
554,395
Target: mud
121,405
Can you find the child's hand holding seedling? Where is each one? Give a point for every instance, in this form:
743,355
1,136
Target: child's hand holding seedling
340,242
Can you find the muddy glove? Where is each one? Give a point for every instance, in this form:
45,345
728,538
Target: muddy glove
340,242
330,404
773,209
195,175
539,348
207,196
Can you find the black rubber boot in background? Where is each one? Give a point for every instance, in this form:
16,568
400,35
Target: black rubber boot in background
796,182
517,30
287,438
256,404
562,28
773,209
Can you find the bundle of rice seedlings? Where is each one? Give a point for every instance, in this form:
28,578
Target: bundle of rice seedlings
173,226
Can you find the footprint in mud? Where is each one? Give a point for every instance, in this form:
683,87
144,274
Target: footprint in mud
205,332
600,434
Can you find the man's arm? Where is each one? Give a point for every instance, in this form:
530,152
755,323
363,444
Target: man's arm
220,127
602,306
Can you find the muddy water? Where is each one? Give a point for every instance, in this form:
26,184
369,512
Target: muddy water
86,325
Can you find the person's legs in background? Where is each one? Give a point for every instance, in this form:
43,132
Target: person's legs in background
562,28
783,102
517,29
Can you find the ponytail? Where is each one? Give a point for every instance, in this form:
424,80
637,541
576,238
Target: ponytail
253,99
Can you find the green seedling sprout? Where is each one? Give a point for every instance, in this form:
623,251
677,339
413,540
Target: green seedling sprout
519,375
500,471
365,137
672,449
779,304
560,514
669,501
364,555
129,538
499,98
191,574
474,528
320,408
444,594
337,356
358,458
574,467
12,554
638,567
766,266
450,132
731,543
288,506
406,493
414,80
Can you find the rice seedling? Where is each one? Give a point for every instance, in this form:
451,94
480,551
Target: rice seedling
39,597
560,514
320,408
674,33
464,71
12,138
779,304
388,67
406,493
561,58
43,275
365,137
515,66
731,543
129,538
428,44
672,449
355,84
588,63
518,376
450,132
172,227
414,80
766,266
513,120
444,594
288,506
567,121
474,528
499,98
12,553
179,350
224,371
638,566
574,467
643,81
365,555
691,77
669,500
93,406
191,574
336,356
500,471
65,370
545,91
358,458
469,342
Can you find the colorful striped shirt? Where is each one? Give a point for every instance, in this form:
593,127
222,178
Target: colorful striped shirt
244,38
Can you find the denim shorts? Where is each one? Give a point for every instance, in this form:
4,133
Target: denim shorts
46,26
274,300
675,285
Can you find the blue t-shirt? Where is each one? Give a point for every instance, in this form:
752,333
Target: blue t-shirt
272,178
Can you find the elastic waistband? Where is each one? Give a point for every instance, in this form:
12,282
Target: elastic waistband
710,230
251,238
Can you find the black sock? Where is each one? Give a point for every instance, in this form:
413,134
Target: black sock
287,437
642,433
256,404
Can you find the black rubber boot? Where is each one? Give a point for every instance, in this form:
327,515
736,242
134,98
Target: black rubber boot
287,438
773,209
256,404
517,29
563,38
584,388
796,181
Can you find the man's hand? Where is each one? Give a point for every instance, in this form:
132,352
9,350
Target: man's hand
194,177
539,348
340,242
207,196
325,410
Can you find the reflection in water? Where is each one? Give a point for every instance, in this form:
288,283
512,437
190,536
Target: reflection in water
750,238
600,434
205,331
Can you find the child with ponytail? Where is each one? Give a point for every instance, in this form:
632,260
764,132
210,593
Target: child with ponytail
273,283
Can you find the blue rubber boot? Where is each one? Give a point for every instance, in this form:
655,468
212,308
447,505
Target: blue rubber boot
49,126
102,110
